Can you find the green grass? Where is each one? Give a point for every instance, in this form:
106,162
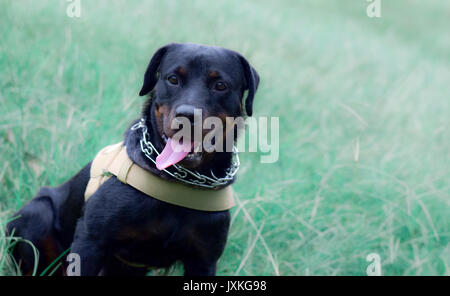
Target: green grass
364,120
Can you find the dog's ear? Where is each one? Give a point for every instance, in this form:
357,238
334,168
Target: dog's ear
151,74
252,82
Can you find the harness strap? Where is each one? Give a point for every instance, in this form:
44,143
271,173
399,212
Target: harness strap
114,160
125,164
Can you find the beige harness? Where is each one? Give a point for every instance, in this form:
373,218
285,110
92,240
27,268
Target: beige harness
114,160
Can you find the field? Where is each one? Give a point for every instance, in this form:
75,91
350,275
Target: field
363,105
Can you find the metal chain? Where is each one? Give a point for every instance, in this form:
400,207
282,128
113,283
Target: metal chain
183,174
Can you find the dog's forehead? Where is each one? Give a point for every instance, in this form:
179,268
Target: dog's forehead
202,57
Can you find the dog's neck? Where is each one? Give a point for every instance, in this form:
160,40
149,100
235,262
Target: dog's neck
218,164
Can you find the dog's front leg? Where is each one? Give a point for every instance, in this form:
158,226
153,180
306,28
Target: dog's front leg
90,250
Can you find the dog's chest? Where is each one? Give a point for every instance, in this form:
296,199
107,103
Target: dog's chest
150,248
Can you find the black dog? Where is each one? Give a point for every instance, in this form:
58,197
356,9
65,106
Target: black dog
120,224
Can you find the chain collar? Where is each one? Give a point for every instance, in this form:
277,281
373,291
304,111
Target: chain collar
183,174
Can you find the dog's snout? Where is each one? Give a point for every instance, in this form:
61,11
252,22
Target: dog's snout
187,111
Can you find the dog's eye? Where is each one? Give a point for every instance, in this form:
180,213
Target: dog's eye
173,79
220,86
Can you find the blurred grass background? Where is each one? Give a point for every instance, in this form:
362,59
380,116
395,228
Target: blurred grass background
363,105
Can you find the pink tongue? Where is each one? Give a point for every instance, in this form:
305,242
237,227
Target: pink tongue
173,153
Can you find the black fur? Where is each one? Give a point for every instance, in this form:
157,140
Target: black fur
119,221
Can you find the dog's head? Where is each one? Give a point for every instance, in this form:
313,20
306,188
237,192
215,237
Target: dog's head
186,79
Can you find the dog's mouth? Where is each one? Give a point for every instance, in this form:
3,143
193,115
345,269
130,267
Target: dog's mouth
176,151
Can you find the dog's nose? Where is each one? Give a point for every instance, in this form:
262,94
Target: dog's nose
187,111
